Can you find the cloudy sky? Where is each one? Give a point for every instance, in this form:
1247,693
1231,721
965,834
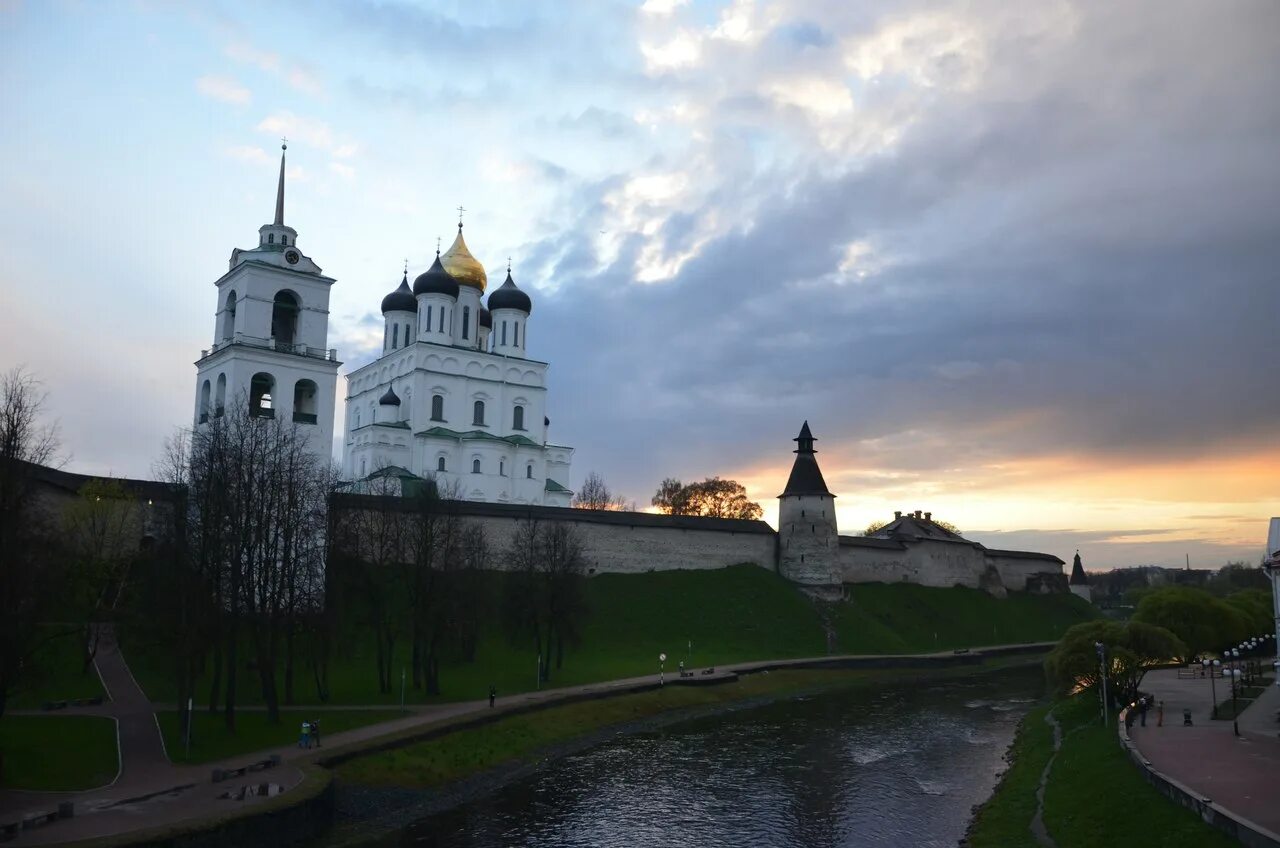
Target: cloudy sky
1017,263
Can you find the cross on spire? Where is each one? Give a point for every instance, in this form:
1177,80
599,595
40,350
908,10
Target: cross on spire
508,266
461,209
437,245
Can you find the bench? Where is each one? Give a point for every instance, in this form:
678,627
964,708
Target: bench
220,774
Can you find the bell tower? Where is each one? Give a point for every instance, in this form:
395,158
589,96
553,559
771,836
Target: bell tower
808,542
270,344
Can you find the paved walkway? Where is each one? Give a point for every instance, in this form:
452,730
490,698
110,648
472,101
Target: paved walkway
152,792
1240,774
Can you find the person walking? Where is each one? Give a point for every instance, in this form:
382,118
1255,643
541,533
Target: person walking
1160,713
315,731
1142,710
304,737
493,695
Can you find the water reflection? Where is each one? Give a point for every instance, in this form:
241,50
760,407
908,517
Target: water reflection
890,768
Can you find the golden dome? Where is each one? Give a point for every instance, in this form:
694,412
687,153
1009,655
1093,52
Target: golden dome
462,266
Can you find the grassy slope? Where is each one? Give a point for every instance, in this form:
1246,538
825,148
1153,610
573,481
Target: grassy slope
1004,821
1095,796
54,753
211,741
58,675
729,615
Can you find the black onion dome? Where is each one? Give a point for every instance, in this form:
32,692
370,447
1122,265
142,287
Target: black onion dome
508,296
400,300
390,398
436,280
486,318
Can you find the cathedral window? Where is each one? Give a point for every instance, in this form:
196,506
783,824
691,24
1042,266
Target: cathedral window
528,471
284,317
475,466
440,464
504,332
502,468
362,467
515,326
517,418
428,319
478,413
395,336
356,425
437,407
442,319
466,322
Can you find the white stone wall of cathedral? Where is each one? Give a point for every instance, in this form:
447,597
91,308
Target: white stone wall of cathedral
399,329
466,318
509,332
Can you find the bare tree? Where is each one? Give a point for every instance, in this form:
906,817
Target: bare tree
544,600
596,494
28,562
101,529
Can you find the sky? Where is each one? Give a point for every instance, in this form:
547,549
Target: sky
1018,264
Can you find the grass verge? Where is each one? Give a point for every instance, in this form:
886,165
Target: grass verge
57,752
211,741
1004,821
1095,797
57,673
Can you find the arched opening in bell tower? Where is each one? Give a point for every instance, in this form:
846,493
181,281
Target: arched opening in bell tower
304,402
220,396
284,318
229,317
261,392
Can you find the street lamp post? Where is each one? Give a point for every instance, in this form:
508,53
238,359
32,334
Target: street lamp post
1101,648
1209,666
1235,717
662,661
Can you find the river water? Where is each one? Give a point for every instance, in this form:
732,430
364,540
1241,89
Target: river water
895,767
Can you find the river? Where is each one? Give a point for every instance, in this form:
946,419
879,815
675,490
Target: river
894,767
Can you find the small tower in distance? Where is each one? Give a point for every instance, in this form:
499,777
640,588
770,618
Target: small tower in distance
1078,581
808,542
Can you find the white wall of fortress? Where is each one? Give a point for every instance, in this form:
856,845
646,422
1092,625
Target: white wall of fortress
940,564
622,549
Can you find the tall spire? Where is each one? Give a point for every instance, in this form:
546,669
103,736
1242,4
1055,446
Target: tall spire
279,222
806,477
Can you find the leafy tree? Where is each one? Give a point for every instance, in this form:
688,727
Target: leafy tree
712,497
1201,621
1237,576
668,492
596,494
1132,649
1254,605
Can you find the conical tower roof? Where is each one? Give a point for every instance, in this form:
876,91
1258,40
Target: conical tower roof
806,477
1078,577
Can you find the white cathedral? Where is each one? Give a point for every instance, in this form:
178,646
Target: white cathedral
452,397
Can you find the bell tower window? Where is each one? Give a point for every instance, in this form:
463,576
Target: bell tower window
284,318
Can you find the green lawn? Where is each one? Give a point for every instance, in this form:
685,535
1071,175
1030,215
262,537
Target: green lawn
1004,821
58,752
211,741
727,615
57,674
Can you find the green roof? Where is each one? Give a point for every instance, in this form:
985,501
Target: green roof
476,435
553,486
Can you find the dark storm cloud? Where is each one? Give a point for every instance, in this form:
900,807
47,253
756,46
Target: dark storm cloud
1097,252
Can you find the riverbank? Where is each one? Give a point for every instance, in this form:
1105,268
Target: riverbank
1093,796
379,794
